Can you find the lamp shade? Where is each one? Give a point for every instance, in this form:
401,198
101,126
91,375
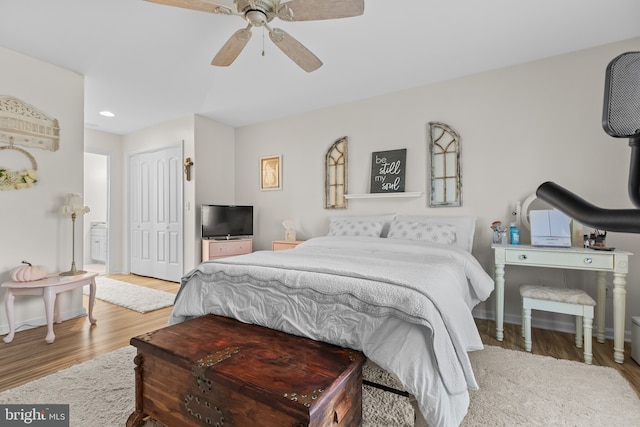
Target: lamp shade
74,205
288,224
289,233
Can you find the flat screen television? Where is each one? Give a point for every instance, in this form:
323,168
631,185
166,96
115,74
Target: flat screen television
226,221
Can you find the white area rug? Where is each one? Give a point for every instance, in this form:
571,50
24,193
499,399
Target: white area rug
517,389
133,297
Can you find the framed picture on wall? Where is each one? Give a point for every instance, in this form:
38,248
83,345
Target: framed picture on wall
271,173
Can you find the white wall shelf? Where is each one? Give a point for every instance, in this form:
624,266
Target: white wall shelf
383,195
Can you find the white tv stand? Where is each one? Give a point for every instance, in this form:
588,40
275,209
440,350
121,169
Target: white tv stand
214,249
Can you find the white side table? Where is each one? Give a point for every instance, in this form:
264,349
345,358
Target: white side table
48,288
616,262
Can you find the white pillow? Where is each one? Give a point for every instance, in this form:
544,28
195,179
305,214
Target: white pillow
435,233
355,228
465,226
339,225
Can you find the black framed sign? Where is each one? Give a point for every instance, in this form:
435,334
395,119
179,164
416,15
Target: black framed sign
387,171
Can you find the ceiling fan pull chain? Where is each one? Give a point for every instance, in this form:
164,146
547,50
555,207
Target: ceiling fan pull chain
263,41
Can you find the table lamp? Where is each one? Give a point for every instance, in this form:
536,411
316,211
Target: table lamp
289,231
74,208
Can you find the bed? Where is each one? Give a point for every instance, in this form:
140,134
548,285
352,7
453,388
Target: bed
399,288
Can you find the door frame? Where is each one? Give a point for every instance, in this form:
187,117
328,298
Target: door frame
110,232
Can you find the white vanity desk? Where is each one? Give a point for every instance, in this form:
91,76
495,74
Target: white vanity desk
574,258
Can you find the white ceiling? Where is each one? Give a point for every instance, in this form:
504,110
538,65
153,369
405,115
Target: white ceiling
150,63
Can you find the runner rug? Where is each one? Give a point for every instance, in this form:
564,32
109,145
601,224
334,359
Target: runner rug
133,297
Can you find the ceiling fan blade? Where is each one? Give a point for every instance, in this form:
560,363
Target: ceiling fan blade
200,5
294,50
314,10
232,48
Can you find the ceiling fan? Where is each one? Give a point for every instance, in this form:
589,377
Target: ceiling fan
259,13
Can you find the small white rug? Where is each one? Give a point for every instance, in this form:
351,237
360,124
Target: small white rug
516,389
133,297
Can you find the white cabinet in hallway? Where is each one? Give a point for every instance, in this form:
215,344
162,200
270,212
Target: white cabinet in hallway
98,237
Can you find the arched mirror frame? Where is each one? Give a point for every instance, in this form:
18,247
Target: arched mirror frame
532,202
445,166
336,175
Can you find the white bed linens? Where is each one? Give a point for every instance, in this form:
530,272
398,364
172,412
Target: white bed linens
405,304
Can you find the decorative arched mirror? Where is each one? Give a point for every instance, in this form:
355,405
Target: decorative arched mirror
531,203
336,175
444,159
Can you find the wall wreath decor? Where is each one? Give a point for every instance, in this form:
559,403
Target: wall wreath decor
18,179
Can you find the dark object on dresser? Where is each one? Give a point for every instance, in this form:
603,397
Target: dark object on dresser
217,371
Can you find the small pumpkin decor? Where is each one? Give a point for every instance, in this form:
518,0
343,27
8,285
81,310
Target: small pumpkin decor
28,272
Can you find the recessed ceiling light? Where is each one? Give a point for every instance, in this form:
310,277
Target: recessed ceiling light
107,114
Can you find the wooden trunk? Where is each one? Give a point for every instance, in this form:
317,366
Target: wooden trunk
216,371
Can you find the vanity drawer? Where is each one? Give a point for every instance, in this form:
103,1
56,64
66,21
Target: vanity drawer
581,260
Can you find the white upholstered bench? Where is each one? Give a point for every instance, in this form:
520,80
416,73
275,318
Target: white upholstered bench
559,300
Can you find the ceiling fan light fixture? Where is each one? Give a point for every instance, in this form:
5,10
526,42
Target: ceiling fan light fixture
256,18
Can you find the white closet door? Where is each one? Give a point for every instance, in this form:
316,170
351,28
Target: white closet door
156,214
168,229
142,213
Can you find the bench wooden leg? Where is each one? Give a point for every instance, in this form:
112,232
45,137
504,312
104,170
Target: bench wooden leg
588,326
579,328
526,320
588,332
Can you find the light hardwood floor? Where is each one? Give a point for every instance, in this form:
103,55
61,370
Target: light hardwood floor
28,357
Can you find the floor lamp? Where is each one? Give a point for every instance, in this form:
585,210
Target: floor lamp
74,208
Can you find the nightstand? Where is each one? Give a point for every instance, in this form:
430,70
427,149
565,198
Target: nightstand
281,245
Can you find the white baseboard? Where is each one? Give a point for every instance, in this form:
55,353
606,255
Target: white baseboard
42,321
568,327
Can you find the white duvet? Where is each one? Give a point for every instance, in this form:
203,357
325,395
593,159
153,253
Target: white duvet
405,304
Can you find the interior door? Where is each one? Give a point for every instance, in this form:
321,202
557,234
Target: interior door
156,214
141,220
168,231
